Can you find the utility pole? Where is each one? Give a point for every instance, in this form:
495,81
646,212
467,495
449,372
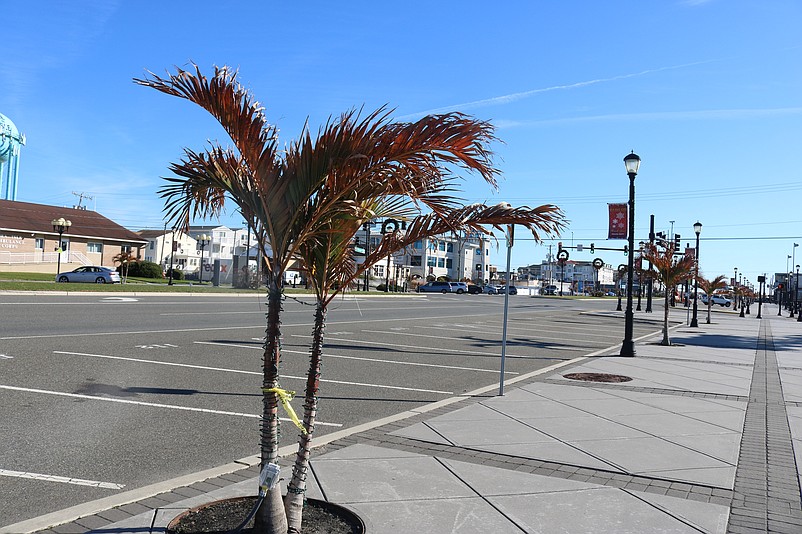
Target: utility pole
651,281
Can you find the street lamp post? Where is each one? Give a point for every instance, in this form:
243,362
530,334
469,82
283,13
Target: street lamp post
697,228
248,255
734,296
631,162
203,240
60,225
366,228
389,226
796,296
172,258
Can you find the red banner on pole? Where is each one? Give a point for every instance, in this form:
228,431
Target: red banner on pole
618,221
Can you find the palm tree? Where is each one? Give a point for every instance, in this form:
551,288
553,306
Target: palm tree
124,258
669,271
292,198
330,263
709,287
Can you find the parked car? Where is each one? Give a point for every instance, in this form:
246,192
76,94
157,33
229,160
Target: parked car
721,301
473,289
436,287
550,290
503,289
90,274
489,290
459,287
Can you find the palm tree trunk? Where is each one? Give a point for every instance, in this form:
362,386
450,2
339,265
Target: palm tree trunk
666,340
296,489
270,517
709,305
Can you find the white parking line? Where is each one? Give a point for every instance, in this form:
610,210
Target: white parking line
208,368
377,360
418,347
64,480
149,404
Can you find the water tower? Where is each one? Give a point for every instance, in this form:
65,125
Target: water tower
10,142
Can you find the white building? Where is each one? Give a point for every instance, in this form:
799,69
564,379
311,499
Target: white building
164,246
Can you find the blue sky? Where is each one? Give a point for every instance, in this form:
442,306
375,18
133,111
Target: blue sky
708,93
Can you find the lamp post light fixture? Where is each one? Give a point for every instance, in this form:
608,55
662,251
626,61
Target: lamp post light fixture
631,163
203,240
60,225
697,228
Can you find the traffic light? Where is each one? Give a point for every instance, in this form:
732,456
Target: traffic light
592,248
676,242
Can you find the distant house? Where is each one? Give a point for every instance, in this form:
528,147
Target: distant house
28,241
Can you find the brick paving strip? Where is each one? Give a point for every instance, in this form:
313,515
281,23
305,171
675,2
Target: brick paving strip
766,495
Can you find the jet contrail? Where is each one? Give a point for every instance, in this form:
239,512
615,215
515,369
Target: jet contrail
513,97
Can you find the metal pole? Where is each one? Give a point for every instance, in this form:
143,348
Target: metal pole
58,250
247,255
760,296
172,257
510,232
628,345
694,322
650,281
366,227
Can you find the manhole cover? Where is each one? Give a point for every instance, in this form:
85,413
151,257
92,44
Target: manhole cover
597,377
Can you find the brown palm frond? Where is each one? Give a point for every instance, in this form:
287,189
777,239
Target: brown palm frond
665,267
710,286
226,100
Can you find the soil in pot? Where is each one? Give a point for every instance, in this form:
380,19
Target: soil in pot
220,517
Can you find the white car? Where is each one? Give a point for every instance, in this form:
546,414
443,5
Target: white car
721,301
90,274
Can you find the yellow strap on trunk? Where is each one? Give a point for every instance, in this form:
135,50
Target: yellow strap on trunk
285,397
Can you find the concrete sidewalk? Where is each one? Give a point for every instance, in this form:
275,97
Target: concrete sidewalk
706,437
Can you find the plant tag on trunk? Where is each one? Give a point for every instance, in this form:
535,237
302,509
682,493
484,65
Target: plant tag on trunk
269,477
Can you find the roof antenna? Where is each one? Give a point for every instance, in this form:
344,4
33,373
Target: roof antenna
81,197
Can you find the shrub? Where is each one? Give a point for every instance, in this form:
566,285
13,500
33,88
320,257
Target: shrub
144,269
177,275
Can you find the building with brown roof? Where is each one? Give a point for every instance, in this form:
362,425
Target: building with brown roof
28,241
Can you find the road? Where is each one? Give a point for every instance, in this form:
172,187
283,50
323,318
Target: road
111,393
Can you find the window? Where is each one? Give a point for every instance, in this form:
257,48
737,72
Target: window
478,252
441,262
449,263
450,247
125,248
152,245
378,271
442,246
415,261
417,245
94,247
431,261
39,243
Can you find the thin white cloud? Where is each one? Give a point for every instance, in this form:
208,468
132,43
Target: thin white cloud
514,97
694,3
716,114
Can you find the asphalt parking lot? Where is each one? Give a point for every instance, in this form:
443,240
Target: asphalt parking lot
101,394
